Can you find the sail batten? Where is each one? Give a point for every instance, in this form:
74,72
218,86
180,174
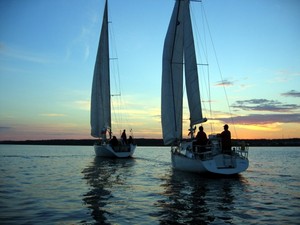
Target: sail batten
100,98
179,53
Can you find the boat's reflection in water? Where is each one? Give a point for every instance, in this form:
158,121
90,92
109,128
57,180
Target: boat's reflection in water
193,199
136,191
101,176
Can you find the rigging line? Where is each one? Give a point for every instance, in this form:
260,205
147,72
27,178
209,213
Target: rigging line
219,68
204,31
209,99
202,49
115,72
205,53
114,60
121,105
117,80
203,44
113,76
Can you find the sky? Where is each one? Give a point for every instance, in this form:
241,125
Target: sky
48,50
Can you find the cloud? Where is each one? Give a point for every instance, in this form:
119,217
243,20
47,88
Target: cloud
79,45
20,54
264,105
3,129
285,76
259,119
224,83
291,93
52,115
83,104
288,73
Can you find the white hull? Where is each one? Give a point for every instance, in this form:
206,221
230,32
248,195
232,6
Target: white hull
105,150
219,164
185,158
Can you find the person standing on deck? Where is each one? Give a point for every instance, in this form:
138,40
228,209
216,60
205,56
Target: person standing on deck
201,139
226,140
124,137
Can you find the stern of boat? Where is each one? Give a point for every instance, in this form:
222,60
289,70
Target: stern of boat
226,164
121,151
209,159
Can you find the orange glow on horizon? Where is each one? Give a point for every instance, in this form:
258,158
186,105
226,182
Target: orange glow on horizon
150,128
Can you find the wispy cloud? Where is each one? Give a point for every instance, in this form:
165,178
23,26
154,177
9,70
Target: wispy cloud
21,54
291,93
224,83
284,76
3,129
80,44
83,104
260,119
264,105
52,115
288,73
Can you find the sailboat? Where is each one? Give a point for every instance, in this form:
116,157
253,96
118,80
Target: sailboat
186,155
101,103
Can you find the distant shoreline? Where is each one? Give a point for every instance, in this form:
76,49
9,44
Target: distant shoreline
151,142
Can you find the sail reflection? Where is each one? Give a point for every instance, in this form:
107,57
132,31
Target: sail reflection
191,199
102,175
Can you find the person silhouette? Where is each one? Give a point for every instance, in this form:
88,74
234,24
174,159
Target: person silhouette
201,139
226,140
124,137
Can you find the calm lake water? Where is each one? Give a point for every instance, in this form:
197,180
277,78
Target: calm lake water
69,185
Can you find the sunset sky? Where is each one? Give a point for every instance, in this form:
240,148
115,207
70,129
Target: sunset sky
48,50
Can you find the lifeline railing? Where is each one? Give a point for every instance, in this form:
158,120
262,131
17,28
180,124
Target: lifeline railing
208,151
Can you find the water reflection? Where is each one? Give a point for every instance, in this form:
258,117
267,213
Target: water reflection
102,175
190,199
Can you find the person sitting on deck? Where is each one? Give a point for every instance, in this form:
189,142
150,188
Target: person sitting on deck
114,141
201,139
226,140
130,140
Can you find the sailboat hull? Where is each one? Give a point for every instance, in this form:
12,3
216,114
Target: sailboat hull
105,150
219,164
188,157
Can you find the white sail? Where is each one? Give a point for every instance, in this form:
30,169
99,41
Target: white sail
172,78
100,99
191,71
179,42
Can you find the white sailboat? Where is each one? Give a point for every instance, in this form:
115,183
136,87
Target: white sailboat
179,54
101,102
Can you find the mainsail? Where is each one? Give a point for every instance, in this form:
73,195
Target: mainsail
179,42
100,99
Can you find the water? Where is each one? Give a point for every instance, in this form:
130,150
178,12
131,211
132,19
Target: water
68,185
